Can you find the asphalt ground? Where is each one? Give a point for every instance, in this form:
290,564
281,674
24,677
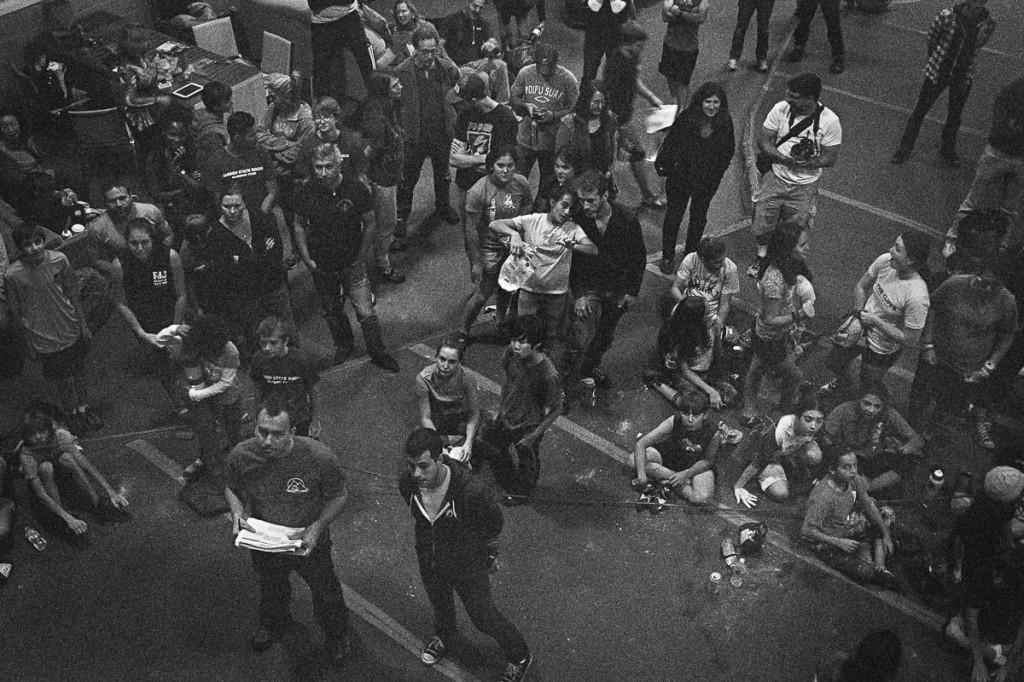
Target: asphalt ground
600,591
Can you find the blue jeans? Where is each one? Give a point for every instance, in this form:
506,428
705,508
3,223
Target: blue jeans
353,279
764,16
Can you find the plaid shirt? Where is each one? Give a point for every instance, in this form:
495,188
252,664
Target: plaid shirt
945,42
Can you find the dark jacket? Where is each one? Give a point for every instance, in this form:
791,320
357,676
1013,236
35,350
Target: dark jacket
599,152
242,271
699,161
470,518
618,267
463,37
406,73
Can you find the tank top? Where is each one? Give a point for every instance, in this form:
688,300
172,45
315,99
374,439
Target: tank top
149,288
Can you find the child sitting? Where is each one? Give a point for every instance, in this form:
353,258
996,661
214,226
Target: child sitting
50,453
684,460
854,543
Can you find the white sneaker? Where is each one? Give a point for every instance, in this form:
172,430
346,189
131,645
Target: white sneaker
732,64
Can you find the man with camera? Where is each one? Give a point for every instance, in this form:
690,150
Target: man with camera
800,137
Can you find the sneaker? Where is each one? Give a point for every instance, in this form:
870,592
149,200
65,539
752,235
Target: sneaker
338,650
291,261
887,579
647,497
732,64
392,275
400,229
983,431
5,572
900,156
263,639
516,672
666,266
797,55
754,268
838,65
433,652
447,214
762,66
386,363
600,378
950,158
652,378
662,493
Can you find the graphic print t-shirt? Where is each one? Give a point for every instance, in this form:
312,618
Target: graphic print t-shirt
901,302
497,203
481,132
829,134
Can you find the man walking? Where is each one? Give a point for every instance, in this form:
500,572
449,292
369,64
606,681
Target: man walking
291,481
457,523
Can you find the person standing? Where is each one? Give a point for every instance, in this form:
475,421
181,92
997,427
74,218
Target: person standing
481,126
291,481
243,161
805,11
764,17
457,522
604,285
334,215
694,157
43,298
681,45
543,93
955,38
336,28
382,124
801,137
426,78
601,32
465,31
590,132
622,77
891,302
999,181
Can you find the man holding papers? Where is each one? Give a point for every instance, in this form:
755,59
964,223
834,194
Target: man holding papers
295,482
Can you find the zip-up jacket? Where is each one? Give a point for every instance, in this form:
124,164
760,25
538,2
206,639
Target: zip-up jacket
618,267
469,519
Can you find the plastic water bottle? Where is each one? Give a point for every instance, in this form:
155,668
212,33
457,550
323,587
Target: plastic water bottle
715,583
936,479
729,552
739,569
35,539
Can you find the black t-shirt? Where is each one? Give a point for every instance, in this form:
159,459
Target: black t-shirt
291,378
482,132
335,234
685,448
149,288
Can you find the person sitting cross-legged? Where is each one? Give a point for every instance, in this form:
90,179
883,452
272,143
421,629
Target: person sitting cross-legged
680,452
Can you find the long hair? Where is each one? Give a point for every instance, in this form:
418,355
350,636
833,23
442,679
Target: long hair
695,110
378,86
686,330
781,243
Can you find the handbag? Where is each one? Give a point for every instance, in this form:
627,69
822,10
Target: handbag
849,331
764,162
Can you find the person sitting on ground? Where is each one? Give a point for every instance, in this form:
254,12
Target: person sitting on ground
883,440
172,174
212,363
711,275
568,165
284,369
151,296
531,401
500,195
680,453
53,463
855,543
793,450
554,238
687,355
448,398
989,566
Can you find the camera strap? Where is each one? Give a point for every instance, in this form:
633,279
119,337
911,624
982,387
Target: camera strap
802,125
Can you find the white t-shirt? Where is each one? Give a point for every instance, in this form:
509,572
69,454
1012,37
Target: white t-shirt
708,284
830,134
551,265
902,302
803,293
785,433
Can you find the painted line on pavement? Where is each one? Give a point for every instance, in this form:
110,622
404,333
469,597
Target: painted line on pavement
990,50
909,608
134,434
885,214
365,609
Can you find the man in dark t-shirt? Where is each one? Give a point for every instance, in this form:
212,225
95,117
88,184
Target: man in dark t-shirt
286,371
284,479
333,215
244,163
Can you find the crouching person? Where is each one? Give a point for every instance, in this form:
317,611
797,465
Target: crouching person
679,454
856,543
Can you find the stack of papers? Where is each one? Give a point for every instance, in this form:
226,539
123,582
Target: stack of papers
268,537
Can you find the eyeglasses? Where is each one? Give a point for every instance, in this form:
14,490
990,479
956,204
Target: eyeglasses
795,95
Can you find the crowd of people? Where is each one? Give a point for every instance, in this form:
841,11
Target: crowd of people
200,274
